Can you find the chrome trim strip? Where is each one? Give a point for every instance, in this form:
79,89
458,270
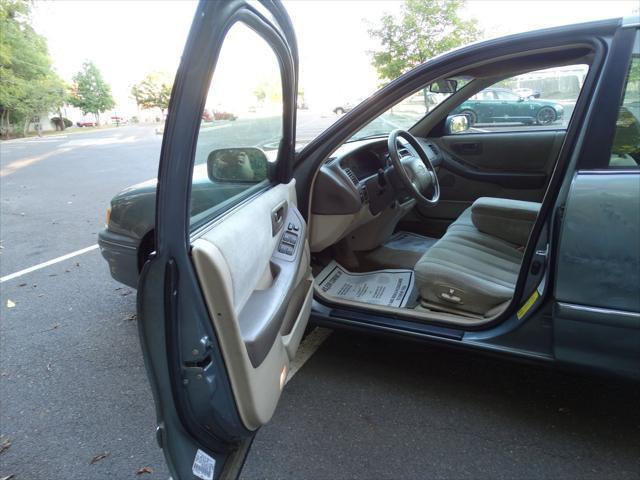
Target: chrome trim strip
612,171
598,315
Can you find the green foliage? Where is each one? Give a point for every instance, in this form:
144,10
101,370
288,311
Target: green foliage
28,84
56,121
423,30
153,91
90,92
269,91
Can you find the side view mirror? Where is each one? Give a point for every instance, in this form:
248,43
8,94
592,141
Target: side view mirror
237,165
444,85
456,124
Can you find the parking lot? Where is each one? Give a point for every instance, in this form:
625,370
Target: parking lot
74,398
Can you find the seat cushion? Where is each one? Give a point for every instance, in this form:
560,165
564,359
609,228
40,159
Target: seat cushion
468,270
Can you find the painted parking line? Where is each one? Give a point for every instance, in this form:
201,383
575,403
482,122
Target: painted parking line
307,348
47,139
47,263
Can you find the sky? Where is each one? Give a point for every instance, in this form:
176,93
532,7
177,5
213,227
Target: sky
127,39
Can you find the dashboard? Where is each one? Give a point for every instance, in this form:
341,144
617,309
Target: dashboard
366,161
354,177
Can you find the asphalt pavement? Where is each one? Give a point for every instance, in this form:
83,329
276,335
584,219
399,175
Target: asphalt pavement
75,402
72,380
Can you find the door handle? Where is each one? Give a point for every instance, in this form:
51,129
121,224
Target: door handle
469,148
277,217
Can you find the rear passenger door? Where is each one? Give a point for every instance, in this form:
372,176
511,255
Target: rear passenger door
596,315
500,157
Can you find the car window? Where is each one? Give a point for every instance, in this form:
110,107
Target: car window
625,152
486,95
408,111
241,125
538,100
506,95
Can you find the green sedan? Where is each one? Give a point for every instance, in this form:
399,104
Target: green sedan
500,105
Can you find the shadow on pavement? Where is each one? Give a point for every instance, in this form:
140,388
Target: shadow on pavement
367,407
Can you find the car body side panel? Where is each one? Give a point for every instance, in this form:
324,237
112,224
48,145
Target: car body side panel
597,290
121,253
600,245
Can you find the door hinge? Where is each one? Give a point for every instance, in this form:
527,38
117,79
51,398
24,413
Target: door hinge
200,358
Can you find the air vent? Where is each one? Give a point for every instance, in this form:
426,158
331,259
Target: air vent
403,152
433,147
352,176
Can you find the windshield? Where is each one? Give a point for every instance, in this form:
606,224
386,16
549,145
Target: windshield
410,110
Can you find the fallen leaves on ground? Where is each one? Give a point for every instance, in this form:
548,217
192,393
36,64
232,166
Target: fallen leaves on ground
144,470
11,304
5,443
97,458
132,317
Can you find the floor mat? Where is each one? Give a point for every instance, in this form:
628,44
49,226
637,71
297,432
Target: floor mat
391,287
410,242
403,250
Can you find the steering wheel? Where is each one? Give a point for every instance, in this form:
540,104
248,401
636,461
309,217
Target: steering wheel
416,174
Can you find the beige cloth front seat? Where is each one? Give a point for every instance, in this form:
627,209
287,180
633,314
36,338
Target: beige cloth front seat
474,266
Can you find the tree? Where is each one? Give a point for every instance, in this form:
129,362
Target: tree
28,84
154,91
90,93
422,30
41,96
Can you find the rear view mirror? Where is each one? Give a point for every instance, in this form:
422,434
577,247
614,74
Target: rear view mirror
456,124
444,85
237,165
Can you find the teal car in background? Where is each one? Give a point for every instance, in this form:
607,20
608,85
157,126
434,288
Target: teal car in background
501,105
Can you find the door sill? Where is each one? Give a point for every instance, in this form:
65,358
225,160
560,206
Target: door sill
411,315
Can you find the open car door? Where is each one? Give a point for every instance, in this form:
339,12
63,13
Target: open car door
225,298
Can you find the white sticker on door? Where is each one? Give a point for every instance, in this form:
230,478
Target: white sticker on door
203,466
390,287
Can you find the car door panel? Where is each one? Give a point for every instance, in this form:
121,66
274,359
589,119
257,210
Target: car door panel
510,164
508,152
596,319
258,298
